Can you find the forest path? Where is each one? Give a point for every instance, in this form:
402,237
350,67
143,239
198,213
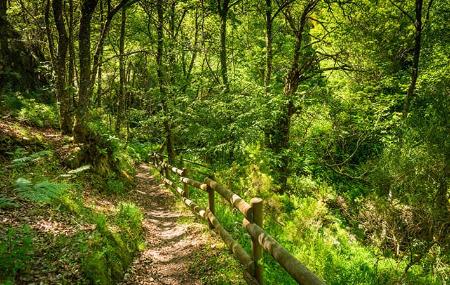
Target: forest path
171,244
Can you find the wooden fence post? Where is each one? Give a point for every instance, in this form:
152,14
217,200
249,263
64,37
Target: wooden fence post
184,173
257,250
166,170
211,204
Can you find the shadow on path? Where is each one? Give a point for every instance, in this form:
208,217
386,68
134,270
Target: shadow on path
171,246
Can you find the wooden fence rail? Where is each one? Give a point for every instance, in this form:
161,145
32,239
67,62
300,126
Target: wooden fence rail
252,222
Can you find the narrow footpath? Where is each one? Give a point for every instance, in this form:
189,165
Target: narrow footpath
171,243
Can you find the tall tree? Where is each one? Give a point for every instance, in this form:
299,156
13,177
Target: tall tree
60,67
3,29
121,95
162,80
84,40
223,7
418,27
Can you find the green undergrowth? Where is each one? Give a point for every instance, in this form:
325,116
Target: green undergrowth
31,107
103,242
311,230
16,250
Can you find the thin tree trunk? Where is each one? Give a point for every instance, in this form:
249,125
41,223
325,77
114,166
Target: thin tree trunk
100,64
279,135
51,46
103,34
223,12
161,80
269,53
415,68
84,94
3,30
71,71
121,97
62,95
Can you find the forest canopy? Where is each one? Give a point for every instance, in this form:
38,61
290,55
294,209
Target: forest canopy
336,113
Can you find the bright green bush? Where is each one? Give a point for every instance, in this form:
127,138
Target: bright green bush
113,245
38,114
41,192
16,248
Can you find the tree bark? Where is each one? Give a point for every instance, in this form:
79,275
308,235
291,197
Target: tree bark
3,30
60,67
71,67
269,39
223,13
161,80
84,94
279,135
415,67
51,46
100,64
121,97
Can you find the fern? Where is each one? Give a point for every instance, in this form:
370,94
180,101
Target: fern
6,203
31,158
41,192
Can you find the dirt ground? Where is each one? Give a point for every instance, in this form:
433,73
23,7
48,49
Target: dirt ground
171,244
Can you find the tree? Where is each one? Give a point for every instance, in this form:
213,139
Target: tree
60,67
84,95
121,95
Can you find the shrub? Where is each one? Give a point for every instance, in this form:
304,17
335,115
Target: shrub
115,186
111,248
38,114
16,249
41,192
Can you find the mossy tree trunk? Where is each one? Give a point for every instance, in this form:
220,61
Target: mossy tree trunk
121,97
84,92
60,67
162,81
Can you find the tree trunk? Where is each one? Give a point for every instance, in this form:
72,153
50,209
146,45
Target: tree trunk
121,97
415,68
223,12
161,80
269,37
3,30
279,134
84,94
60,67
99,48
48,31
100,64
71,71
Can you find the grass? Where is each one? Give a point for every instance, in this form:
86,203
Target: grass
313,234
87,245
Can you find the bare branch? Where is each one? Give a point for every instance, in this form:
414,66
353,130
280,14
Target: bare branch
402,10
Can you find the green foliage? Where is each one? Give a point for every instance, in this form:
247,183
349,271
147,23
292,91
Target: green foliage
115,186
41,192
29,108
16,247
6,203
38,114
110,251
129,217
25,160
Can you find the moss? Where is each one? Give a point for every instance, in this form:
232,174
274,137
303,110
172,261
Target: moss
118,245
95,268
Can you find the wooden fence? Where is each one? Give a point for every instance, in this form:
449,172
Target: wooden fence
252,222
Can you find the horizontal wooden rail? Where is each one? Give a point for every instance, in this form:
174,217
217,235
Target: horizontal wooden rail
297,270
194,183
231,197
237,250
252,222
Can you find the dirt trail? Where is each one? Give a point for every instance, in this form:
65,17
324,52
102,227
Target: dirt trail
171,244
